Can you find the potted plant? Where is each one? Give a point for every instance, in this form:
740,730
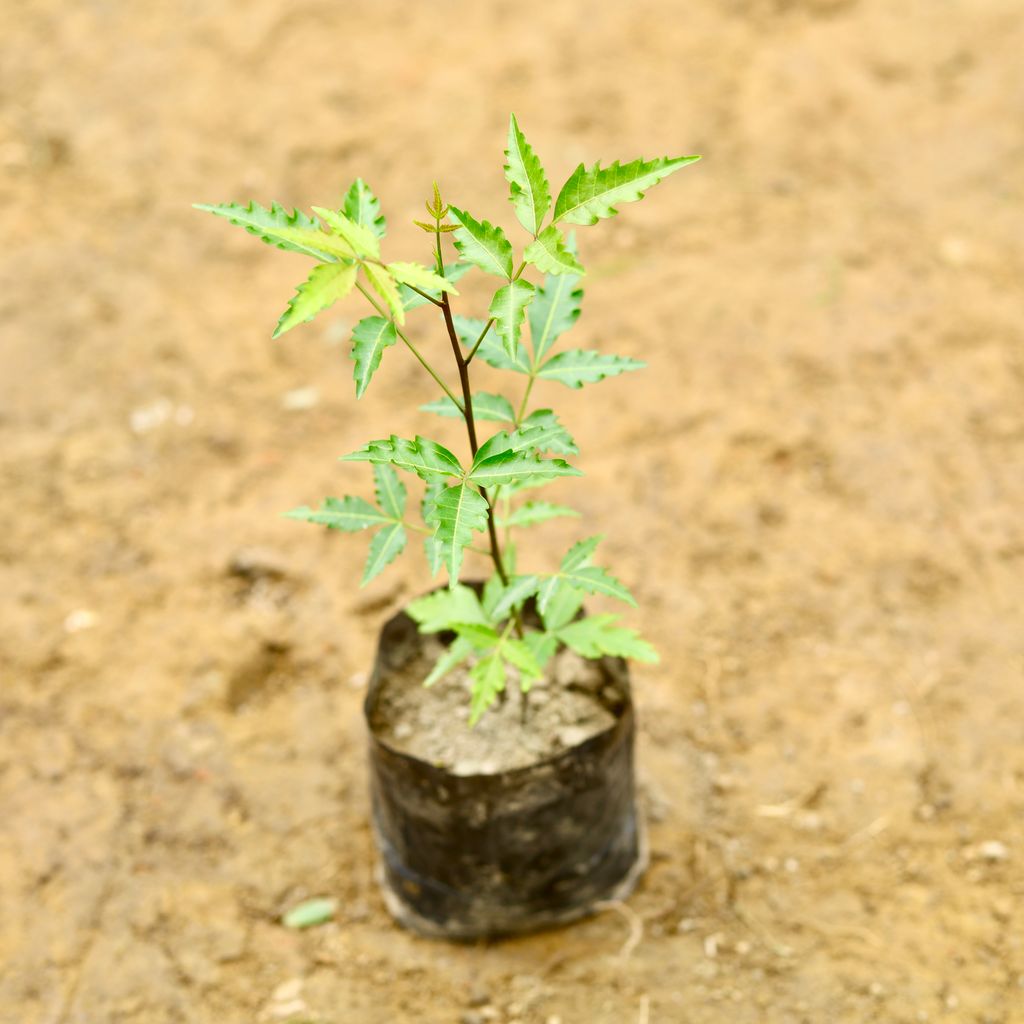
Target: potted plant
493,815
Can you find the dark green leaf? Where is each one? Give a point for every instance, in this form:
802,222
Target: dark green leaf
514,467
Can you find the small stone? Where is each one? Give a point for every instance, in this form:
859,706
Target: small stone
79,619
472,1017
791,864
711,945
993,849
478,997
402,732
573,735
287,991
300,399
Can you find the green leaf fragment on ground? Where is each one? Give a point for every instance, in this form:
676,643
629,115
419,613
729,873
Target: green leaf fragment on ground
310,913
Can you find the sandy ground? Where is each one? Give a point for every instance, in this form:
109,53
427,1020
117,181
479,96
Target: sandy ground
816,493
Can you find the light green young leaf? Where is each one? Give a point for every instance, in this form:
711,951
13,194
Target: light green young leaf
327,282
310,913
576,367
482,637
530,193
554,310
589,578
432,547
446,609
550,255
371,336
514,467
542,646
580,553
390,491
518,590
363,241
508,307
421,456
461,511
419,277
488,676
349,514
555,438
362,207
492,350
534,512
456,654
591,194
597,635
483,244
268,224
520,656
453,272
386,546
384,285
485,407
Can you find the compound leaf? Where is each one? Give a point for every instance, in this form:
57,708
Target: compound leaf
591,194
483,244
267,225
485,407
421,456
362,207
386,546
390,491
550,255
597,635
508,307
576,367
456,654
460,512
371,336
530,193
349,514
327,282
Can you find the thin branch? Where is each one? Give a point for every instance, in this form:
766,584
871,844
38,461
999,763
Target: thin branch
479,341
429,298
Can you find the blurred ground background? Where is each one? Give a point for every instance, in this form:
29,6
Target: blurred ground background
815,492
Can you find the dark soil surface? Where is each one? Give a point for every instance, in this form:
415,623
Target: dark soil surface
815,493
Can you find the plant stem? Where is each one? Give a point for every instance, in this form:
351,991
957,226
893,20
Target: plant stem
526,398
429,298
467,413
412,348
490,323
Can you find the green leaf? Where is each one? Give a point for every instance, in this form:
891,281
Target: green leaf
514,467
386,546
390,491
554,311
411,299
576,367
310,913
446,609
421,456
456,654
371,336
579,554
540,435
542,646
562,606
555,438
349,514
597,635
362,207
492,350
591,194
461,511
534,512
521,657
550,255
326,283
488,676
268,224
361,240
432,547
419,277
482,637
384,285
508,307
577,571
485,407
518,590
483,244
530,193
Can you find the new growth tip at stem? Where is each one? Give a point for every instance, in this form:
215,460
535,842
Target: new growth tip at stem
534,302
